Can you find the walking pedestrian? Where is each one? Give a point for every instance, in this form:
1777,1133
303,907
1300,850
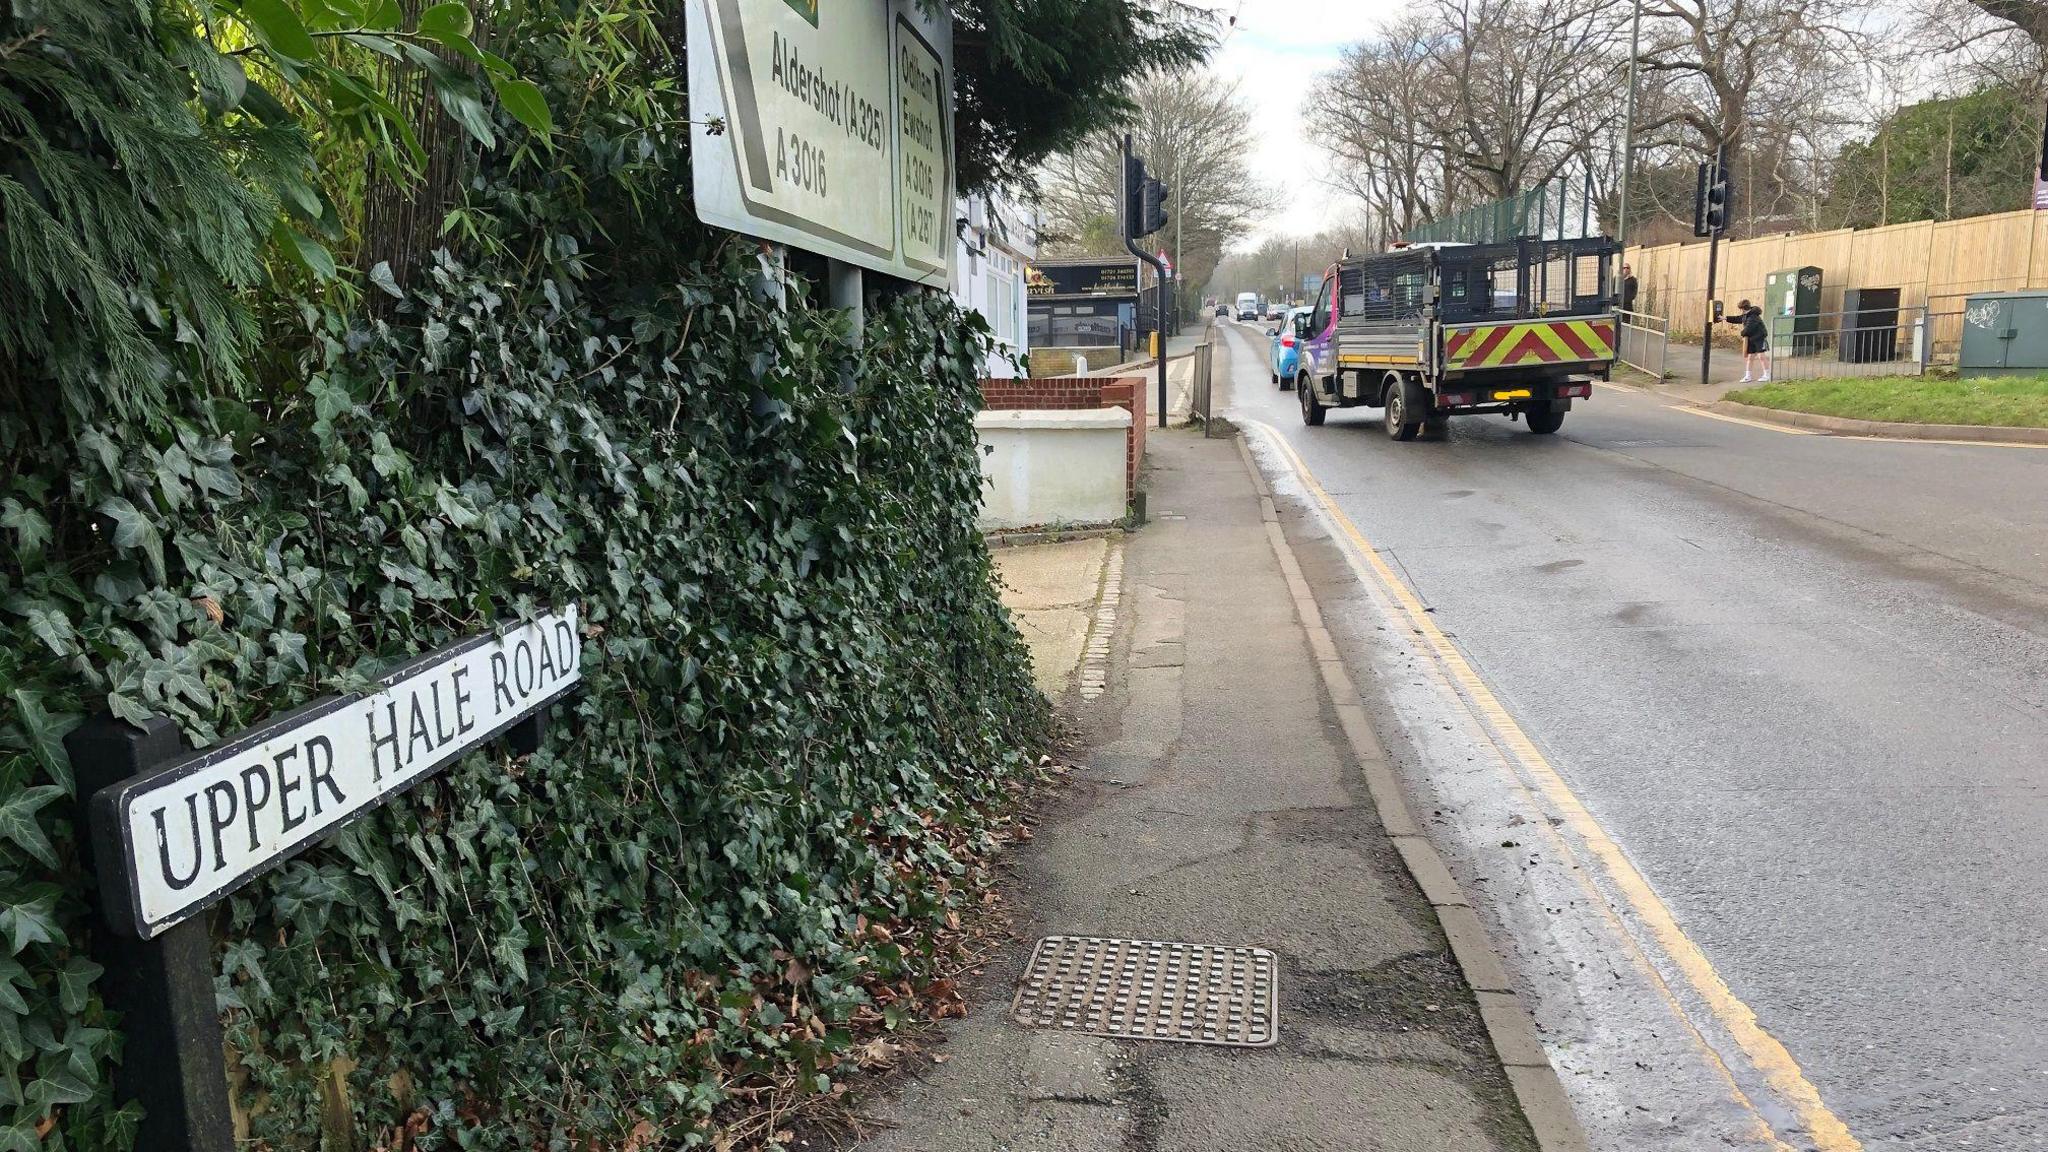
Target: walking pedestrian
1628,289
1756,342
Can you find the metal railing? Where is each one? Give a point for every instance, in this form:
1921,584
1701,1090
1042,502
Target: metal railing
1200,404
1644,342
1869,342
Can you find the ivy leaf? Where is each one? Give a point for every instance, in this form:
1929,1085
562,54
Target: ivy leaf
330,397
381,276
280,28
133,530
11,974
48,622
74,983
125,707
523,99
45,733
18,821
387,460
32,922
102,449
20,1137
31,531
59,1087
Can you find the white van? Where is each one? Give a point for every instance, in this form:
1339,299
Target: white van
1247,305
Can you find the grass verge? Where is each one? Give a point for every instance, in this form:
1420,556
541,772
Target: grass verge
1993,401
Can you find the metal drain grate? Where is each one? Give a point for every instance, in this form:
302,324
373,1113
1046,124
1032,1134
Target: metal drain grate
1152,990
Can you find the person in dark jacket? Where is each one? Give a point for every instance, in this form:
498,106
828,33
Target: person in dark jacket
1756,342
1628,289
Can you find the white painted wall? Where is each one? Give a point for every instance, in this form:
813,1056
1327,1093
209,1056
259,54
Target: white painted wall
997,241
1052,467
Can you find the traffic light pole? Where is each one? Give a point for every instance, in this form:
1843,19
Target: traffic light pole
1158,271
1707,341
1719,176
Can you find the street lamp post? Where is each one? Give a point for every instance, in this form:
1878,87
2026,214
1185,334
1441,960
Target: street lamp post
1177,223
1628,132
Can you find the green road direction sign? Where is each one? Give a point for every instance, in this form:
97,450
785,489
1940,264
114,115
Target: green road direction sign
826,125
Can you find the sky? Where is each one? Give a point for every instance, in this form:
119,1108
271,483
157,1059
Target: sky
1275,52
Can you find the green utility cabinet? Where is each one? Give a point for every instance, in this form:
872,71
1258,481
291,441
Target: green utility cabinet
1792,308
2004,332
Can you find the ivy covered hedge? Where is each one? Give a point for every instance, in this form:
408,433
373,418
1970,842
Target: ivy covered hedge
800,697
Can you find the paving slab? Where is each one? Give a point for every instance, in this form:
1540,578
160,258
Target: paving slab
1051,590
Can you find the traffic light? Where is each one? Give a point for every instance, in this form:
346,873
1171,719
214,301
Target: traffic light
1154,217
1710,202
1134,196
1144,200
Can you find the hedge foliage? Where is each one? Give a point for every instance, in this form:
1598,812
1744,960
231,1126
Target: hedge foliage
800,697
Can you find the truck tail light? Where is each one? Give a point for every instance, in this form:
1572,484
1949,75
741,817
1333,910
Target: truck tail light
1575,390
1453,399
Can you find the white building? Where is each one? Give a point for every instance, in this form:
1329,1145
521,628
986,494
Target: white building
998,239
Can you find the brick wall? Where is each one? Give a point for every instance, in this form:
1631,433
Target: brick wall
1128,392
1059,392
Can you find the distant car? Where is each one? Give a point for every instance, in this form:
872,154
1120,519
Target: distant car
1284,357
1223,311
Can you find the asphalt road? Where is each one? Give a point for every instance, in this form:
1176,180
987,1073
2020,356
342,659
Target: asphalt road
1801,683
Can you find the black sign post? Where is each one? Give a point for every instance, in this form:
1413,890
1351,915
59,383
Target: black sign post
152,807
174,1062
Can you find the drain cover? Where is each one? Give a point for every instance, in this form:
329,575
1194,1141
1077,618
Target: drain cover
1152,990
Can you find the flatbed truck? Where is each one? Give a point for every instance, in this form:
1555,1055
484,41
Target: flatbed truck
1521,328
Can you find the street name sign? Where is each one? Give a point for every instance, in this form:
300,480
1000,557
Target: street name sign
826,125
177,838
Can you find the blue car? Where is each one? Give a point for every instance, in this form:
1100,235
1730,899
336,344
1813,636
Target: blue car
1285,357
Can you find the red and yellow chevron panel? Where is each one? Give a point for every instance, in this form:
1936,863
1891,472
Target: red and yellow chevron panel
1529,342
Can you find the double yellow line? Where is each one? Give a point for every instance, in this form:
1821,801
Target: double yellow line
1762,1050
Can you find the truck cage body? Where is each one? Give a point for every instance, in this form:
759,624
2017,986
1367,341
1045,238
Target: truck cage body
1542,307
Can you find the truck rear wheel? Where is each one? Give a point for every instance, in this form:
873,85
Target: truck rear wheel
1543,421
1312,410
1404,408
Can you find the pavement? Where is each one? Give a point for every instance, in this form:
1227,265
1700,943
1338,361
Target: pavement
1735,735
1051,591
1222,798
1177,346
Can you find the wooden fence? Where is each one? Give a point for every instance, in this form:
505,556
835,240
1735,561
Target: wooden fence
1932,263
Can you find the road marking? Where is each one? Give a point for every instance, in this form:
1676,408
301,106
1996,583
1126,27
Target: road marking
1763,1050
1696,411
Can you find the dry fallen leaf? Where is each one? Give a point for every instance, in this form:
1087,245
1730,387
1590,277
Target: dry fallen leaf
876,1053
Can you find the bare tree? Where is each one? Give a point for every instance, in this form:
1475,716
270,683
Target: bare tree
1720,66
1378,115
1530,85
1472,100
1195,133
2029,17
